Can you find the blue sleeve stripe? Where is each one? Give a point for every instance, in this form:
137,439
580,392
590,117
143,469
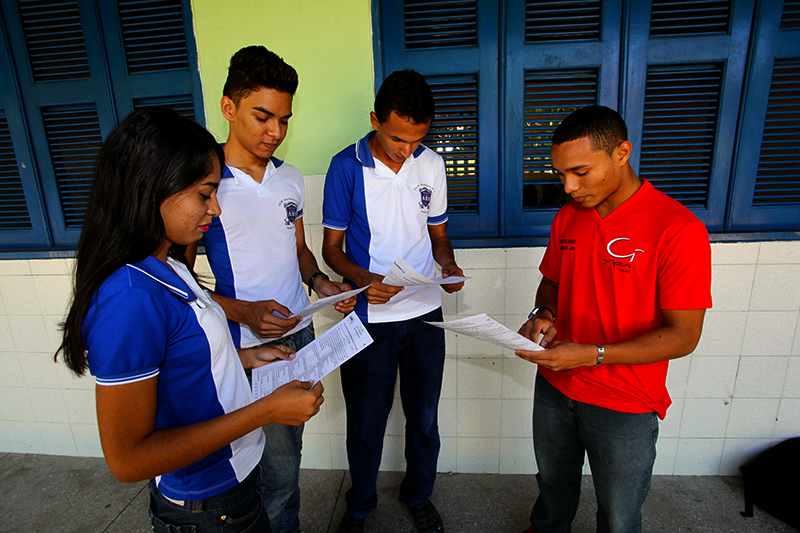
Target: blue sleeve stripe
334,224
441,219
128,377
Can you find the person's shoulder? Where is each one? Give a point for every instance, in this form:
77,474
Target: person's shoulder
669,209
426,154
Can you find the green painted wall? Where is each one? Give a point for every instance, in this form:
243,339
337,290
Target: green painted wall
328,42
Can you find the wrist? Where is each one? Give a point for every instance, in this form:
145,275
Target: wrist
601,352
313,278
544,311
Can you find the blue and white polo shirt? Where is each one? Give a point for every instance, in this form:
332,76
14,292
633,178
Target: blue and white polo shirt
387,215
252,247
147,320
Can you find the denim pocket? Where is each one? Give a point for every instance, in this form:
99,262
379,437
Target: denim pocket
159,526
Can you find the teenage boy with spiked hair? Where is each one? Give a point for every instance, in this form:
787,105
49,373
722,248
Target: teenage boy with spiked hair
387,194
257,248
627,281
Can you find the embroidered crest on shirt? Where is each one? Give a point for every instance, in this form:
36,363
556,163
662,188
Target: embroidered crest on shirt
424,198
291,212
623,254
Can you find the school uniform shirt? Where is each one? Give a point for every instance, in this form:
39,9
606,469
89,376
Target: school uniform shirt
615,275
150,319
386,215
252,246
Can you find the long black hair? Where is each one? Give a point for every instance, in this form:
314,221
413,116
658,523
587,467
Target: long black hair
153,154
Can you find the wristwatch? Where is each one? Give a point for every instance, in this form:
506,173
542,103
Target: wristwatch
537,310
310,281
601,352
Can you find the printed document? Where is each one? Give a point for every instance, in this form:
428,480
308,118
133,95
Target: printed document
322,303
485,328
316,360
401,274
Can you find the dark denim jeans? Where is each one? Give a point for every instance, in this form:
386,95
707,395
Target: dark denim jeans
621,448
280,463
237,510
368,381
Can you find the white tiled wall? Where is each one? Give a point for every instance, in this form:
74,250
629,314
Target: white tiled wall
738,394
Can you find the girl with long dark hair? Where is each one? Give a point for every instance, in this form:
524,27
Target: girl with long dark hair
173,401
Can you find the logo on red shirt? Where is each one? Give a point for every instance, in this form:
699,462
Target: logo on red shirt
622,253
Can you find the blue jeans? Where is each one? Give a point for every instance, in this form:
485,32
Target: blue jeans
368,381
237,510
280,463
621,448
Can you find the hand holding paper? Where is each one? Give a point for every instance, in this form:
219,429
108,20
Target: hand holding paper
322,303
485,328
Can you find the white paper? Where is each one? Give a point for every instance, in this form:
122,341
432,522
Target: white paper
401,274
316,360
322,303
485,328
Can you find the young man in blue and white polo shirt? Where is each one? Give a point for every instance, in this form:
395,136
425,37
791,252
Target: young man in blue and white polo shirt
257,248
388,195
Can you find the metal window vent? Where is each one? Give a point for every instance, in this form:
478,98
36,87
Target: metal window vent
778,176
441,24
182,103
790,20
550,95
568,20
153,35
454,136
74,139
14,215
671,18
55,42
679,131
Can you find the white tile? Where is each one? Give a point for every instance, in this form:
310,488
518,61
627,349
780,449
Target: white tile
450,339
15,404
761,377
479,418
788,423
521,286
337,416
29,333
68,380
39,370
704,418
791,388
480,258
779,252
5,440
333,384
448,455
392,459
666,450
752,418
87,440
796,345
14,267
670,427
54,334
517,419
678,376
12,375
734,253
6,340
47,267
516,457
731,286
480,378
776,288
314,235
316,452
19,295
737,452
769,333
723,333
202,268
54,293
485,293
478,455
518,379
48,405
318,424
450,379
450,302
338,453
81,407
25,437
312,206
448,417
698,457
712,377
57,439
525,257
396,423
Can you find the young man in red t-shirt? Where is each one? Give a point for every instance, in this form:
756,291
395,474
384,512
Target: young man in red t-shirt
627,272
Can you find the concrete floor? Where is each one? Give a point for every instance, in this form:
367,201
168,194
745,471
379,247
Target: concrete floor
74,494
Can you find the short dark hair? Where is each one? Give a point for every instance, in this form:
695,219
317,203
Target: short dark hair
406,93
153,154
253,68
604,127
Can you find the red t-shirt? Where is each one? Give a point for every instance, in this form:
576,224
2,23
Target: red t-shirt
615,275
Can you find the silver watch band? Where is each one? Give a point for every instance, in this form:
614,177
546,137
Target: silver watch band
601,352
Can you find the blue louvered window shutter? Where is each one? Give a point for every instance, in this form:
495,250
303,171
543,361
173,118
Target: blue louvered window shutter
14,215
